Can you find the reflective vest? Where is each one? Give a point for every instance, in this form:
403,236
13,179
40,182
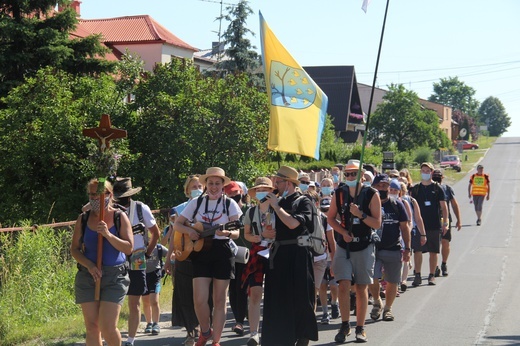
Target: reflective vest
479,184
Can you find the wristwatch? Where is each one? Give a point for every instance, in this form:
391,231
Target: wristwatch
407,249
363,216
446,224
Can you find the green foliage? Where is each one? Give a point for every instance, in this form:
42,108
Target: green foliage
493,113
33,36
423,154
185,122
403,159
37,282
465,122
456,94
45,162
402,120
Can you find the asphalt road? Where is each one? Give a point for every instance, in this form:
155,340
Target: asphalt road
475,305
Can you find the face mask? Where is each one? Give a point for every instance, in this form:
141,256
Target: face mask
367,183
393,198
326,191
237,198
335,178
195,193
351,183
261,195
95,204
304,187
124,201
383,194
285,193
425,176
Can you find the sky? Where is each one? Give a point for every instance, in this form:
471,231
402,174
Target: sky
424,41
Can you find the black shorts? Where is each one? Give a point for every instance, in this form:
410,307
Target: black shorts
153,282
447,236
137,283
218,262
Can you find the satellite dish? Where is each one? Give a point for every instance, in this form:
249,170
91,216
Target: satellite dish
463,133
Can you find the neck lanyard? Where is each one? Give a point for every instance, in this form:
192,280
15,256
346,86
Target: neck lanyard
214,210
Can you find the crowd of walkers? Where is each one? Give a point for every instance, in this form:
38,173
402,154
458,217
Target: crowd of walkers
245,245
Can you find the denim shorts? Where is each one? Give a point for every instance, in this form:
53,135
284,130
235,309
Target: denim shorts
114,284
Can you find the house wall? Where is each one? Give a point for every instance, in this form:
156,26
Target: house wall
444,114
154,53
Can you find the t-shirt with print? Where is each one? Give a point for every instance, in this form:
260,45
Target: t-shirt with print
137,259
212,211
392,214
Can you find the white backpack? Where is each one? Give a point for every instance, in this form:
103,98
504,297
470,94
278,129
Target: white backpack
313,238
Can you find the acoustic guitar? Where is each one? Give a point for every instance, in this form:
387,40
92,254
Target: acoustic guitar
183,246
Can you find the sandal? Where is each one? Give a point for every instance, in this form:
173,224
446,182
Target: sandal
239,329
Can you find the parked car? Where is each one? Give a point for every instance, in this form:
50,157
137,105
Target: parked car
467,145
451,161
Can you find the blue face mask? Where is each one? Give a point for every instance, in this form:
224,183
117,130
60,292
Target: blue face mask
261,195
195,193
326,191
367,183
304,187
425,176
335,178
285,193
351,183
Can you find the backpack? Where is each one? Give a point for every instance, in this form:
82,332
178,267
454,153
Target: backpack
199,202
314,236
84,221
161,262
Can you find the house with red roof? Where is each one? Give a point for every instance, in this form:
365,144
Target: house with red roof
140,35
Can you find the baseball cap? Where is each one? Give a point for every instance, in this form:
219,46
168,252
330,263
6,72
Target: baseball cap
394,173
480,166
427,164
381,178
231,187
438,172
394,184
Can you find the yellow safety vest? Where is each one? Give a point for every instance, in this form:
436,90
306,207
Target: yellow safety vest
479,184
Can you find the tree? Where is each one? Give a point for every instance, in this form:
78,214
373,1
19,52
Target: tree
493,113
403,121
185,122
242,57
465,122
33,35
45,158
456,94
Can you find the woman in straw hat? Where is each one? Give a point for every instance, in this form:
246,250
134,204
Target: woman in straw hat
258,229
215,265
289,279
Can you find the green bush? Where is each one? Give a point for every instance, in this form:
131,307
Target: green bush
423,154
37,278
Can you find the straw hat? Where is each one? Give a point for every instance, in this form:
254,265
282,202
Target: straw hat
351,165
289,174
123,188
260,182
215,172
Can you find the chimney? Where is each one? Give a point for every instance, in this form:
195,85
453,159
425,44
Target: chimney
75,5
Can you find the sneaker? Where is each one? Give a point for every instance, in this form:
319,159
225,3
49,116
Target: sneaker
325,319
335,311
376,312
437,272
479,222
156,329
204,339
444,269
431,280
387,315
417,280
190,341
148,328
344,331
404,286
361,336
254,340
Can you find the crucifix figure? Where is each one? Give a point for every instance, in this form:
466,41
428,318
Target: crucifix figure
104,133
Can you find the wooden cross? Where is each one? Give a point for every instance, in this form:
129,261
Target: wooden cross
104,133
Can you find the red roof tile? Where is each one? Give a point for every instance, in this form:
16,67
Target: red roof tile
141,28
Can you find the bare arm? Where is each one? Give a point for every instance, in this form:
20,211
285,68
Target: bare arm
456,211
444,209
419,221
155,232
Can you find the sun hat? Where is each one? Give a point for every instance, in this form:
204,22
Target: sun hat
288,173
215,172
427,164
394,173
260,182
123,188
370,175
351,165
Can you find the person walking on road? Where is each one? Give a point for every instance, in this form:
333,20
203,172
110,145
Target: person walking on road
478,188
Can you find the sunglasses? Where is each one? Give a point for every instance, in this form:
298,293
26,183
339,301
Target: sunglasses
305,182
350,174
